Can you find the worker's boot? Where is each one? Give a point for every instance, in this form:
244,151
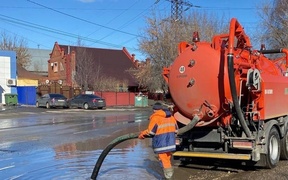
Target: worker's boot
168,173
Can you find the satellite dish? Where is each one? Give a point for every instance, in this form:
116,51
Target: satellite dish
60,81
47,81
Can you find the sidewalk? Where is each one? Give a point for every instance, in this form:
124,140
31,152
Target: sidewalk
3,107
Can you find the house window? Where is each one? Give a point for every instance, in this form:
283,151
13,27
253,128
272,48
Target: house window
55,67
61,66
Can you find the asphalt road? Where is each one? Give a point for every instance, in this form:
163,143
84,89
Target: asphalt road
39,143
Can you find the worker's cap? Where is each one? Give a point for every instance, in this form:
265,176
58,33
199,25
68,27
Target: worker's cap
157,106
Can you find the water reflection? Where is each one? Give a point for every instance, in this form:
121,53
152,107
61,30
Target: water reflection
131,161
98,120
34,159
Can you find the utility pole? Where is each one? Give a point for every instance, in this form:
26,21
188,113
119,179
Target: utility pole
178,7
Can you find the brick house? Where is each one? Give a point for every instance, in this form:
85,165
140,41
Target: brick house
62,65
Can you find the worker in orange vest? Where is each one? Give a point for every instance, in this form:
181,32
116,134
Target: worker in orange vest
162,127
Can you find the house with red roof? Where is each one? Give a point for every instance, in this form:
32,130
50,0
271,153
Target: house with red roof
101,64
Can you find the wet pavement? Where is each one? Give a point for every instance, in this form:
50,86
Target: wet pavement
66,143
38,143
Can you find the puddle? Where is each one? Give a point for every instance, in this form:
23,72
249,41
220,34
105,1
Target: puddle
67,147
130,160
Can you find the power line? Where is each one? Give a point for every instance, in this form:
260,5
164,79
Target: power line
83,19
177,8
115,18
72,8
22,37
55,31
130,21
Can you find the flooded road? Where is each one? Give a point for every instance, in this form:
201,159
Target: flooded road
66,143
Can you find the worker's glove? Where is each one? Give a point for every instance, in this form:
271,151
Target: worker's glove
142,135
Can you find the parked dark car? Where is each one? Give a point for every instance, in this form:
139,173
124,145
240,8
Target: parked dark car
87,101
52,100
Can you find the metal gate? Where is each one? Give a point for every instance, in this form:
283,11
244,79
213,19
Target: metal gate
67,91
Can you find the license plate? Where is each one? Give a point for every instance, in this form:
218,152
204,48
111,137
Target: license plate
60,100
100,101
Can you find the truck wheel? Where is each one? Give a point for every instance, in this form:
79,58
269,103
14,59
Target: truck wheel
86,106
47,105
273,148
284,147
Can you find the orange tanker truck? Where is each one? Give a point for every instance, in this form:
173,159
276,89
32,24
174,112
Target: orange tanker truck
230,100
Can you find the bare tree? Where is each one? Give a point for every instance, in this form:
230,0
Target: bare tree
85,69
18,45
274,23
160,42
143,75
110,84
89,73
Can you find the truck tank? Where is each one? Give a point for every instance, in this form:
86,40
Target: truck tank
238,95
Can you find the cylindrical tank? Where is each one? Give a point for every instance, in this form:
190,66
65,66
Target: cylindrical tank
199,84
226,79
196,82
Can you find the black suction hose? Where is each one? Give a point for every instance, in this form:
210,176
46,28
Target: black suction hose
110,146
234,95
189,126
126,137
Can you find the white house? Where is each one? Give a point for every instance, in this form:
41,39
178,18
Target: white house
7,74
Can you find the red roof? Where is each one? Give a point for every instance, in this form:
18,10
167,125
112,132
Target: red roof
22,73
113,63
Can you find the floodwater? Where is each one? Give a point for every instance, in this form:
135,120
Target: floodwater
37,146
66,162
65,144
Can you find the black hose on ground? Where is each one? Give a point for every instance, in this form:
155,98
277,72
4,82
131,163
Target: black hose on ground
110,146
126,137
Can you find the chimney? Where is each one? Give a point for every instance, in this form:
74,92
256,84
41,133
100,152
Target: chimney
62,52
133,58
136,62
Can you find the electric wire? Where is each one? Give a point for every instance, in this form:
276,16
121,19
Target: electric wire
84,20
102,26
117,16
129,22
56,31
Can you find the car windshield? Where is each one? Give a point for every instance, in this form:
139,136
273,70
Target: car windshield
57,96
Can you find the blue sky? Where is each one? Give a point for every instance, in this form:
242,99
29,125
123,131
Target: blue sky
111,24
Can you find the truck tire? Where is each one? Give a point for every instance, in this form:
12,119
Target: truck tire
284,147
273,149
